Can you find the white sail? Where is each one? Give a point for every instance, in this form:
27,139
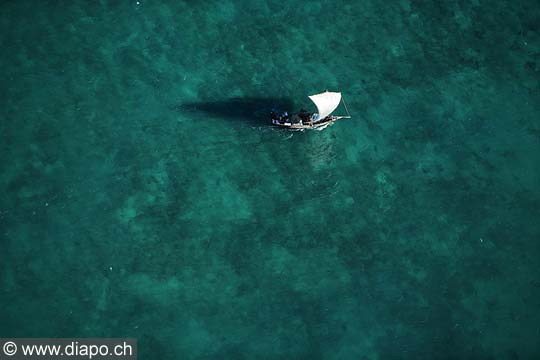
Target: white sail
326,102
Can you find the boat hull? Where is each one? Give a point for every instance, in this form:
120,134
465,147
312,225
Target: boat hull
315,125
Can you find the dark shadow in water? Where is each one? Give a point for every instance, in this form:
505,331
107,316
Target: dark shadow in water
254,109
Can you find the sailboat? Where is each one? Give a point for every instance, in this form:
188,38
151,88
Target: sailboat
326,102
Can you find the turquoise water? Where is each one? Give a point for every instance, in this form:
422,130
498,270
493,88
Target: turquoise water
144,194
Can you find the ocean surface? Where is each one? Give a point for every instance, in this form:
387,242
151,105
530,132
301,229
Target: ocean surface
143,192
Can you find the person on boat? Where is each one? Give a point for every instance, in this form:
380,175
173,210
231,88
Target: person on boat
303,115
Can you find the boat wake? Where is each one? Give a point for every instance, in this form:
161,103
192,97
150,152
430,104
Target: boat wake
321,128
